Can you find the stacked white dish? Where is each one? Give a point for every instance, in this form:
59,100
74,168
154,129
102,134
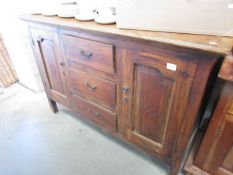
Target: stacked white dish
84,17
35,8
82,10
50,9
68,9
106,12
101,15
49,12
86,10
105,15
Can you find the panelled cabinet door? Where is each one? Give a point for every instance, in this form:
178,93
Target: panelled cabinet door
215,154
50,63
155,93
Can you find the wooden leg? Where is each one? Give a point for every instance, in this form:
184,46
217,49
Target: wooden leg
174,169
53,106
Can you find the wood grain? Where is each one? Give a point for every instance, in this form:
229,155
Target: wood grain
51,65
152,107
97,114
93,88
215,154
226,71
156,107
202,42
93,54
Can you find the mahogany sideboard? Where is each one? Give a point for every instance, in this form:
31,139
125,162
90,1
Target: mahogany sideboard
213,155
146,88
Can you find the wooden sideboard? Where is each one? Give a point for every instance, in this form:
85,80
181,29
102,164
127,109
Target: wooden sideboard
214,154
146,88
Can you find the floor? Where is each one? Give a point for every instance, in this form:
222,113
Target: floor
34,141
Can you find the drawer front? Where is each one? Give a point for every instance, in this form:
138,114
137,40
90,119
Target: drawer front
99,115
94,89
82,52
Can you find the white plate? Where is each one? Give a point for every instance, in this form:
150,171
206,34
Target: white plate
70,14
105,20
48,13
35,13
82,17
67,1
67,8
67,11
66,15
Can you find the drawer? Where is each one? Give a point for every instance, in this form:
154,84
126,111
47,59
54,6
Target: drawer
81,53
93,88
97,114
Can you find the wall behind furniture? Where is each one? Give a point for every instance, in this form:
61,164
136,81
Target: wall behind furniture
14,33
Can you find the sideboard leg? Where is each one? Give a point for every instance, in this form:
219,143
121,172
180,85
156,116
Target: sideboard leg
53,106
174,170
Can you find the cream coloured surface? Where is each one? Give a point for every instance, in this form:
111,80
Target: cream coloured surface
211,17
208,43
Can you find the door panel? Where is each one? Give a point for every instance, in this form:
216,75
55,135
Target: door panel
215,154
48,54
228,161
51,64
218,157
154,99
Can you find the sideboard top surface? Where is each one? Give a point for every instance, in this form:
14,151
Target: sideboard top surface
216,44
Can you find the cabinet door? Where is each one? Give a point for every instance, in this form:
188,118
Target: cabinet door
215,154
51,64
154,92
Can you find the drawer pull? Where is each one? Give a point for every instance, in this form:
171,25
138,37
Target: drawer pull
97,114
86,55
125,89
62,64
89,87
125,100
40,39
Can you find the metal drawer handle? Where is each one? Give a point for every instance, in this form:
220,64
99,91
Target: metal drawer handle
40,39
125,100
125,89
96,113
91,88
85,55
62,64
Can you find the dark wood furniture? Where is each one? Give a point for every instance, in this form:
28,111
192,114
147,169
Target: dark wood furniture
144,87
214,156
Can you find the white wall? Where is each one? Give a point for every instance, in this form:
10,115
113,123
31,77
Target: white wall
14,33
19,49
